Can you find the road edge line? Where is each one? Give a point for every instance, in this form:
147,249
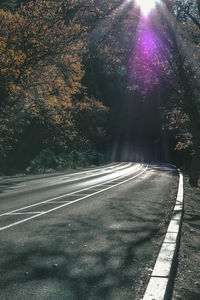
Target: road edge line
160,286
69,203
64,195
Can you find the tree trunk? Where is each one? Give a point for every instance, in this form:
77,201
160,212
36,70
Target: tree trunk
198,6
194,170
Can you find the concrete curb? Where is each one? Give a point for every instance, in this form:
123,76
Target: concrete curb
160,283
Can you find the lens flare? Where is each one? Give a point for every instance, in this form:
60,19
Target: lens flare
146,5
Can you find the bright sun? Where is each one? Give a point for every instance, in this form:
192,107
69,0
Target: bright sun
146,5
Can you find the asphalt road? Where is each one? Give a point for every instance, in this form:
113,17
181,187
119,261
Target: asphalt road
82,235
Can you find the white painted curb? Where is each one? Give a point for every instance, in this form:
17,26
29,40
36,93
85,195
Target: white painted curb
161,277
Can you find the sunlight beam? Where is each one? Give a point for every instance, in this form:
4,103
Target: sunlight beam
146,5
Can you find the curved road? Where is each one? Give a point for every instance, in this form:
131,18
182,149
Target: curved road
82,235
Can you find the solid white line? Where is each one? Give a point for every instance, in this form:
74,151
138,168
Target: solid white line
69,203
58,202
24,213
106,170
75,194
93,170
62,179
17,186
67,177
70,194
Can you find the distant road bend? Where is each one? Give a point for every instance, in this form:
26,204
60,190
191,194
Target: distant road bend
67,189
94,226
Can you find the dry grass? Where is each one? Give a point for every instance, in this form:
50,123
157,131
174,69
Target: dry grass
187,282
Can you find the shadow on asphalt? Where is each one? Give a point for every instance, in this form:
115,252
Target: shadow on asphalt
85,256
4,184
92,263
191,295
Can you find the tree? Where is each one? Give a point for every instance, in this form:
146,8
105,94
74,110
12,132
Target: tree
91,118
183,76
40,79
8,4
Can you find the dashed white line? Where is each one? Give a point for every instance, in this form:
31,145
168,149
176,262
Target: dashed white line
69,203
92,173
59,202
72,193
24,213
94,170
17,186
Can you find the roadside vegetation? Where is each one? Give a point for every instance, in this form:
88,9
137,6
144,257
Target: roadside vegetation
82,77
46,160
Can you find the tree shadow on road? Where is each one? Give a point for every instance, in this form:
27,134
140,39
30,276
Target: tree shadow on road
87,257
4,185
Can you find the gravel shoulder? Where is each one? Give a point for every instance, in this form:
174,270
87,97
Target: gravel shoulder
187,281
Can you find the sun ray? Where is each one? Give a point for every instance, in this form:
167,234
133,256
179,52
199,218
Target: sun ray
146,5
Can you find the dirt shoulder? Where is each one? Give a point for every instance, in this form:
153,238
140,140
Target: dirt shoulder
187,282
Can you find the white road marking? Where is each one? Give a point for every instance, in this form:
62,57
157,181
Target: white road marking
73,193
62,201
68,178
103,170
69,203
76,194
93,170
62,178
113,165
17,186
24,213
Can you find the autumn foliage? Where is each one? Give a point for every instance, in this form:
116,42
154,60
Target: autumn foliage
41,74
93,75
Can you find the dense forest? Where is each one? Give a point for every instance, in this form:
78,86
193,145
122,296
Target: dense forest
91,81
